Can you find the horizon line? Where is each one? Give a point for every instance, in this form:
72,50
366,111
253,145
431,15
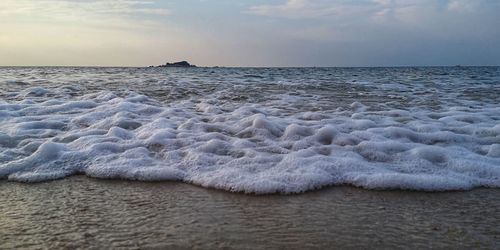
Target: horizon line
220,66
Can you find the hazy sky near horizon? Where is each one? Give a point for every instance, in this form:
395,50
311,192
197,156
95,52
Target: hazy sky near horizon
250,32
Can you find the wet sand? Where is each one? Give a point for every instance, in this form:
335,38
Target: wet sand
90,213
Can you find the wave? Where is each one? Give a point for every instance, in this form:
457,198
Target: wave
248,148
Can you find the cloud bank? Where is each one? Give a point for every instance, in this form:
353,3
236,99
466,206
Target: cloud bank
250,33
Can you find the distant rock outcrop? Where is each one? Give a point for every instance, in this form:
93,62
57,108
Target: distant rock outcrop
182,64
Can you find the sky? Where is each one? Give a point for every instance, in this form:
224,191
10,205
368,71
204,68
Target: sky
249,32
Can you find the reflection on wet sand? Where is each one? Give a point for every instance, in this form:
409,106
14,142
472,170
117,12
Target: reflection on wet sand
90,213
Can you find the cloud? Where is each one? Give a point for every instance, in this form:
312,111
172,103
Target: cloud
464,5
358,18
363,9
85,32
48,7
249,33
298,9
397,31
110,13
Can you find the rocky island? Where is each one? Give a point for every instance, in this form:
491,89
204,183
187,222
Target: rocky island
181,64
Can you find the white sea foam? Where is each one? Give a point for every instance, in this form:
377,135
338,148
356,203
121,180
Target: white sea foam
247,147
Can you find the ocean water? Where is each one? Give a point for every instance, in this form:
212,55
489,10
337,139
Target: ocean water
262,130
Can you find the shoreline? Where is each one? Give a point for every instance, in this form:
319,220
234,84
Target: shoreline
96,213
318,189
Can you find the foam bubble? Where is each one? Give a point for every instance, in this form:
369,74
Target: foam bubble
247,148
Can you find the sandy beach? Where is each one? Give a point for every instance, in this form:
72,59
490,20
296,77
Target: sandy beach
91,213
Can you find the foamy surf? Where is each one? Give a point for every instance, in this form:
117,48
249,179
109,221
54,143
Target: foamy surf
252,147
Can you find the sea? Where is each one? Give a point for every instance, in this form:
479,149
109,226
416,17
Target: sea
254,130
